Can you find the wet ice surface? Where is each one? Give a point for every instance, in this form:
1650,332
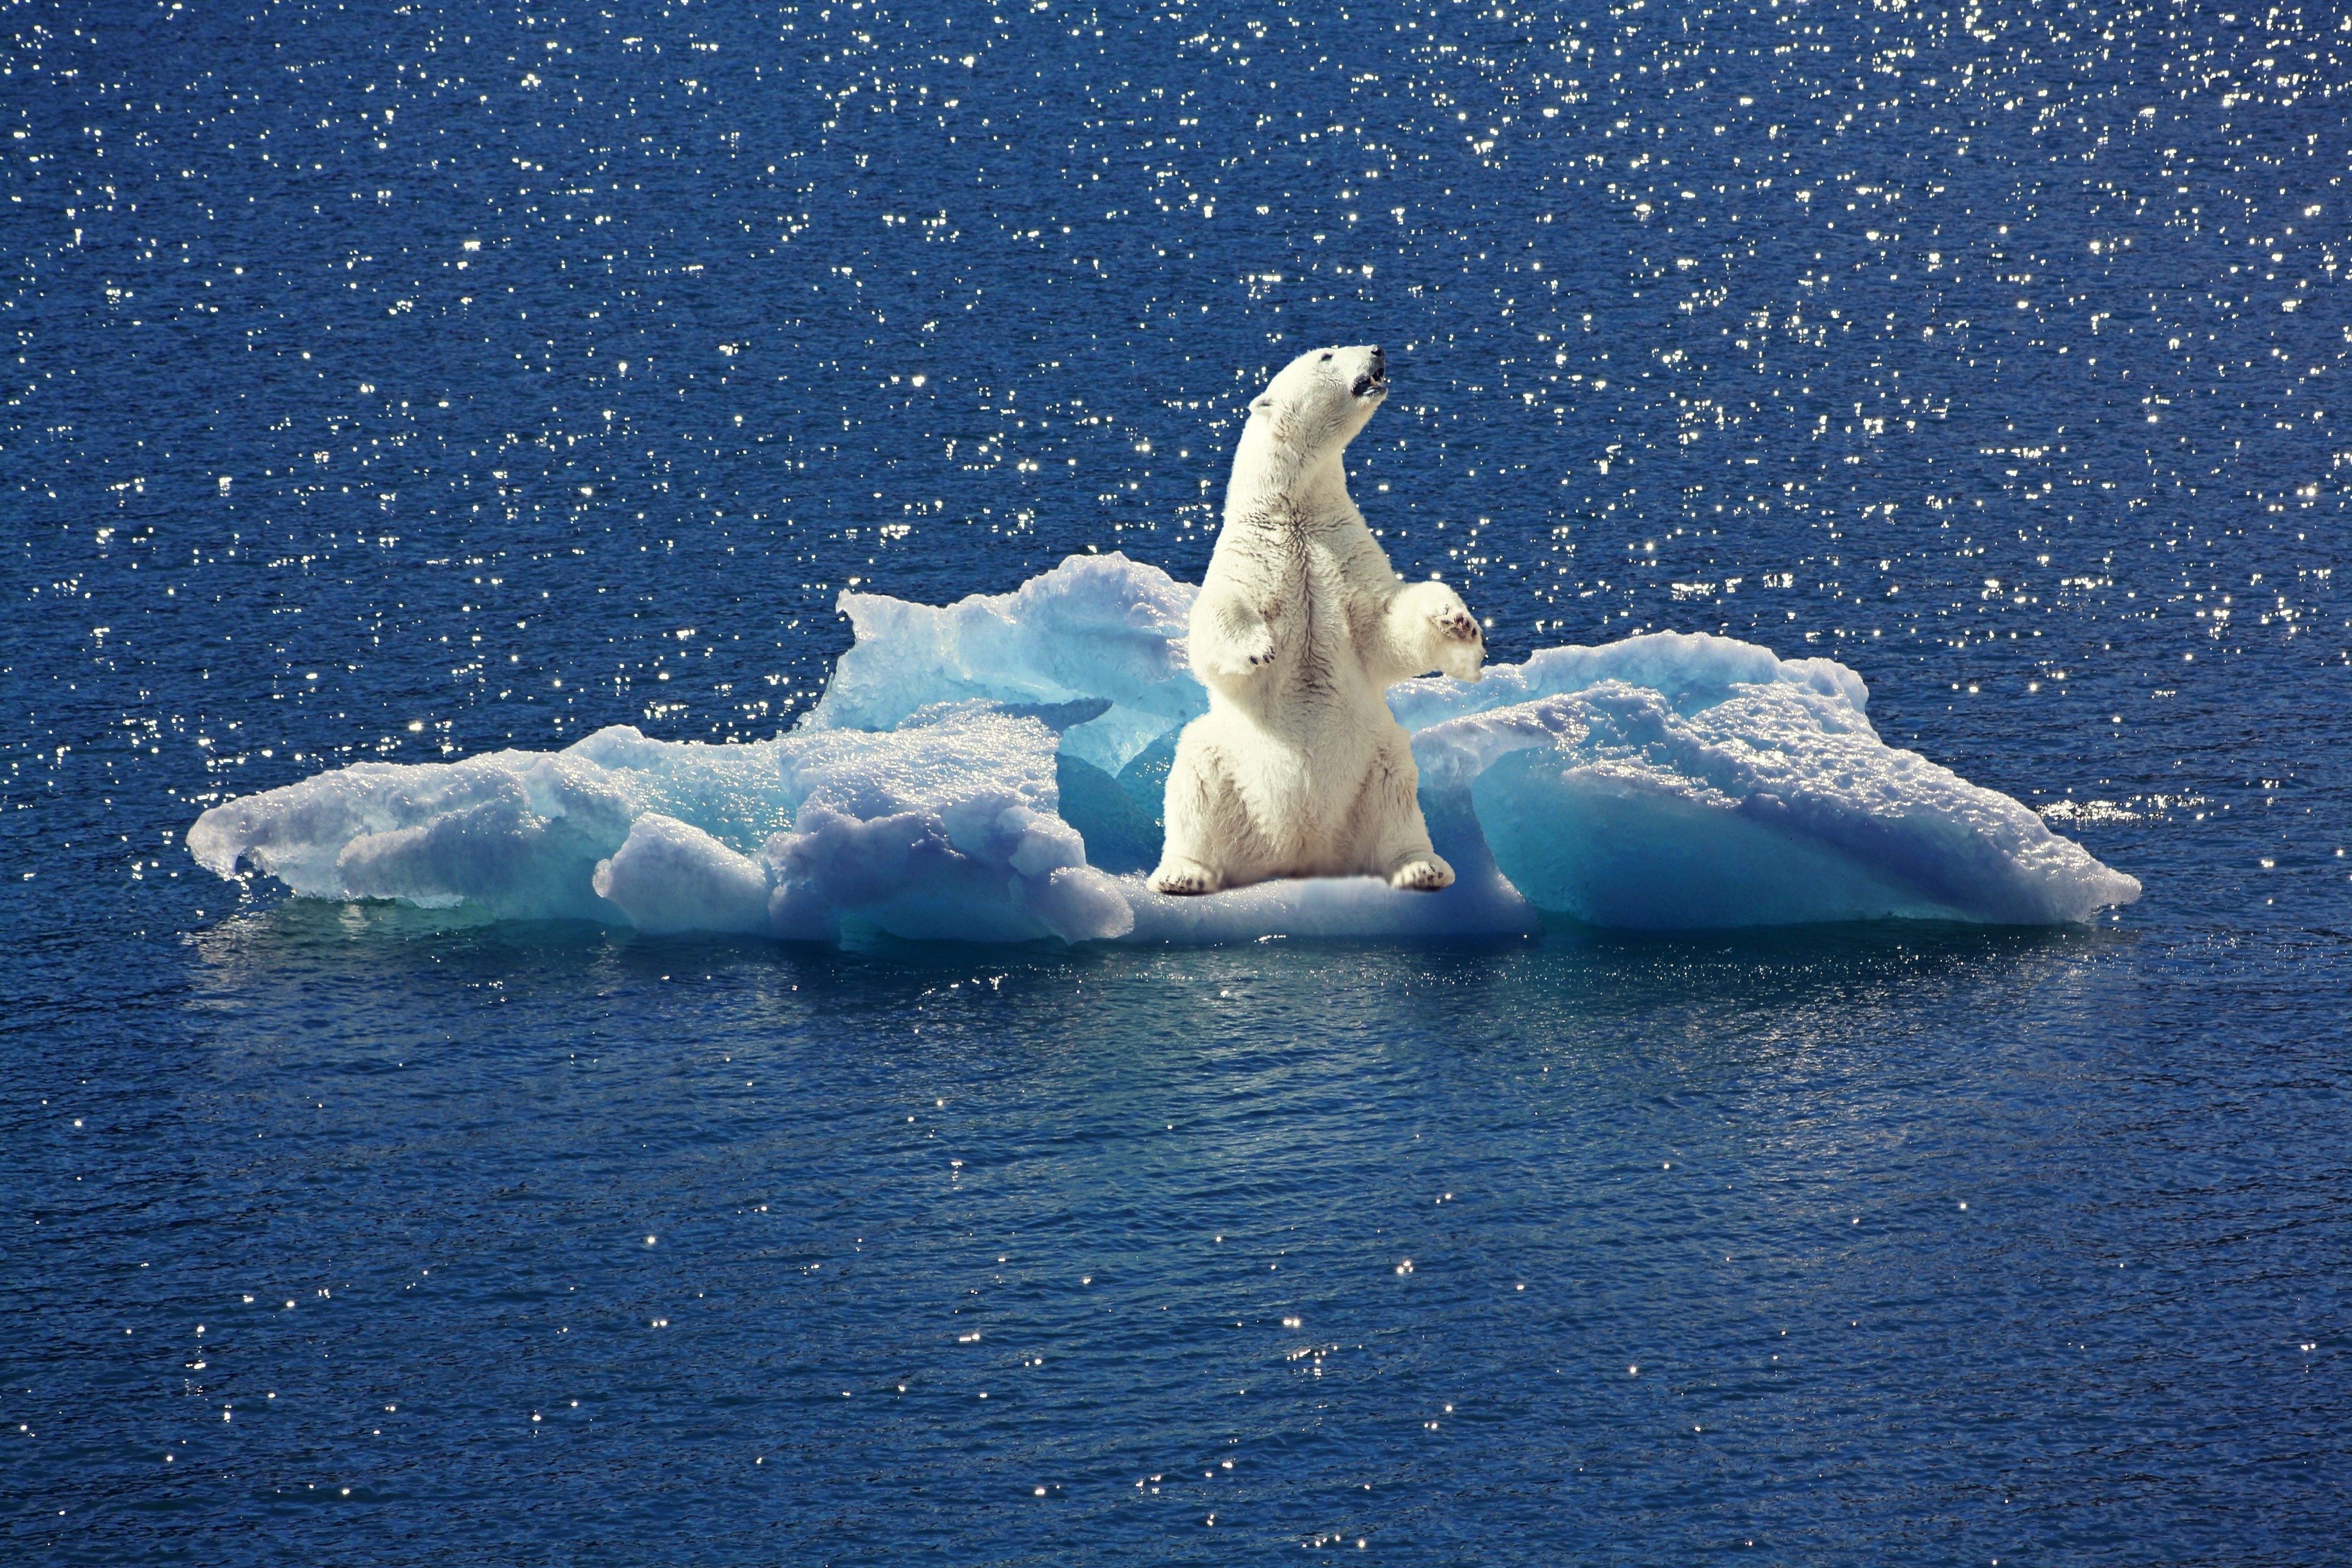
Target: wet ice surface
1965,360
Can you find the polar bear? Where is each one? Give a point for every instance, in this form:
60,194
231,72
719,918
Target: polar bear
1298,769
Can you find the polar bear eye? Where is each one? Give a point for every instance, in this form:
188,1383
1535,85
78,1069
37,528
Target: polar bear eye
1327,359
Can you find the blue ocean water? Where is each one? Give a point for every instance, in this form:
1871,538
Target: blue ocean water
409,381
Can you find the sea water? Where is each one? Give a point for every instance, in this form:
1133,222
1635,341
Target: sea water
409,387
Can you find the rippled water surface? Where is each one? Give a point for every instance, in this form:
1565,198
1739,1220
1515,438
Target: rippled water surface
409,381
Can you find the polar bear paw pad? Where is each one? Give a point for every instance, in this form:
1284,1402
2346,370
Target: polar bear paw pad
1457,625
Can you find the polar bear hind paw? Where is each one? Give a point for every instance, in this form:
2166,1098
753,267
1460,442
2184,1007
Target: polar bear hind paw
1181,879
1421,874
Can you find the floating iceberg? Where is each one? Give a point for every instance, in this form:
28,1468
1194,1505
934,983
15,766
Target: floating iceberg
991,771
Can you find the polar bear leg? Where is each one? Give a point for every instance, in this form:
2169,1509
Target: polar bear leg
1394,838
1202,814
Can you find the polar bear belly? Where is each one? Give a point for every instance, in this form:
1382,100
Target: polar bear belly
1301,757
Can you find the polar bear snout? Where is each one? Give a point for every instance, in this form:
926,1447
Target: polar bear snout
1374,380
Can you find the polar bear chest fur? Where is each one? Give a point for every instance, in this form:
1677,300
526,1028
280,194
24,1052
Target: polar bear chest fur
1298,768
1315,715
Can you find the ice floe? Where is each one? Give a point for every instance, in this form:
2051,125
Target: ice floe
990,771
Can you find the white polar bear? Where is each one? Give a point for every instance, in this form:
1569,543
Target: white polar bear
1298,769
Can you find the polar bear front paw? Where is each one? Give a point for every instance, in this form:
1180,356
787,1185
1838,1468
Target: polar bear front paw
1421,874
1462,646
1241,662
1181,879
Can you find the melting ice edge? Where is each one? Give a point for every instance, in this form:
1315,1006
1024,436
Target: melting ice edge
991,771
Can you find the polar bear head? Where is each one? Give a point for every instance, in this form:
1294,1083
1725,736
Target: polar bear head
1319,400
1303,421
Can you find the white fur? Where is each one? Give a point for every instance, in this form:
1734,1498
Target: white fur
1298,769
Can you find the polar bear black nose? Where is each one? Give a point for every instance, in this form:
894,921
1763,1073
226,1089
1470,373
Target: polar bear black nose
1379,363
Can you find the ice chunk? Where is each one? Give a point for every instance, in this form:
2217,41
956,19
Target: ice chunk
1119,814
669,875
515,832
1774,805
904,874
992,771
1690,671
945,827
1096,626
1329,907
